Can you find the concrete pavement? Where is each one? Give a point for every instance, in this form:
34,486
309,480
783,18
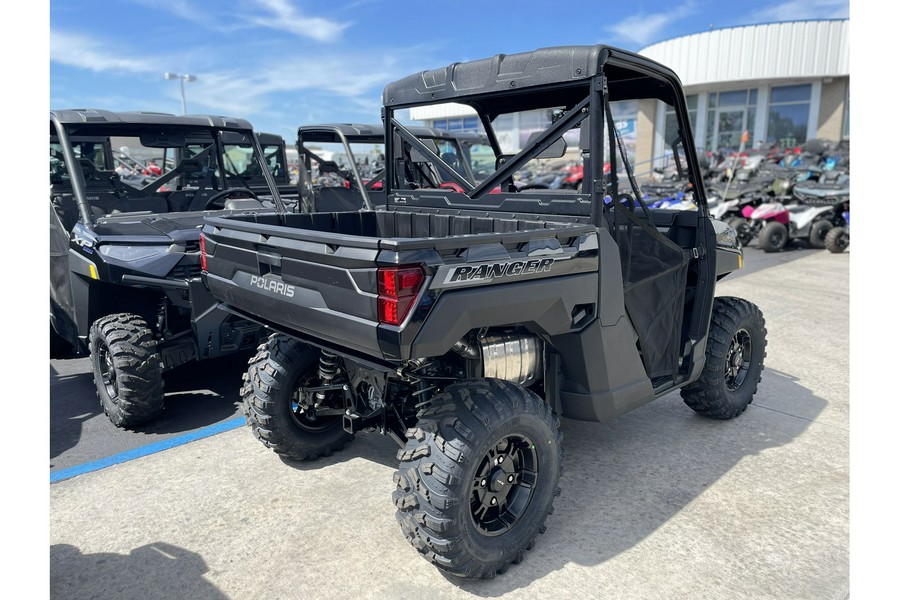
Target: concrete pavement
659,504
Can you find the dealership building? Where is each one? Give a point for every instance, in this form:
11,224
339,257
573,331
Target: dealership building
781,83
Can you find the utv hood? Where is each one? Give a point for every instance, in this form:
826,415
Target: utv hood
177,228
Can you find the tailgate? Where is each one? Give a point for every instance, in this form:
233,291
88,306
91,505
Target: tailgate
307,282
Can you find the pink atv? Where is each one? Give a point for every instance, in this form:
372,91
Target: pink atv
776,224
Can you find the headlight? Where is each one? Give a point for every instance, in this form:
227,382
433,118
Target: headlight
131,253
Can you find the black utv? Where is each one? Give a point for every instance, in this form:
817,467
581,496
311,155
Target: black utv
466,323
125,243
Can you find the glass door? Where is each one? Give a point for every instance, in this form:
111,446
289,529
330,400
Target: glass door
730,125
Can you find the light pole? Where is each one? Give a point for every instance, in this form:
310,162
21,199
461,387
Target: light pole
181,79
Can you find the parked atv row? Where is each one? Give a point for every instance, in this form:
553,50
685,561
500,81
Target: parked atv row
778,197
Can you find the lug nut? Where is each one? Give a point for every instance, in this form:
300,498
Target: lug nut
500,459
483,482
510,478
493,501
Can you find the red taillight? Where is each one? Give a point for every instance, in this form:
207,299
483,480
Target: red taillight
202,252
397,289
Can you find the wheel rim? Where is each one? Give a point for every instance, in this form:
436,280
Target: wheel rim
504,485
776,237
737,360
305,417
108,373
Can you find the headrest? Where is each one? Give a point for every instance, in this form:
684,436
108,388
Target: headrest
190,165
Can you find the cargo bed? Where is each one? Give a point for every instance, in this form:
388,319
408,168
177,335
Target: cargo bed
315,275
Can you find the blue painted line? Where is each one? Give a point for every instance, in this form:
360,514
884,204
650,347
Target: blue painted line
147,450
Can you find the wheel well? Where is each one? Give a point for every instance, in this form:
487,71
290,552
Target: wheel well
107,299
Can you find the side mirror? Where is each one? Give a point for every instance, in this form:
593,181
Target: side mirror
556,150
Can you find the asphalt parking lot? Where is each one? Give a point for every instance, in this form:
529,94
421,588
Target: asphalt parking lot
660,503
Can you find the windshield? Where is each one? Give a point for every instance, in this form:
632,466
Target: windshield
242,164
330,165
154,168
92,152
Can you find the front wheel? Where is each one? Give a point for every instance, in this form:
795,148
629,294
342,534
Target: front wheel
127,369
818,232
773,237
837,240
735,349
478,477
278,411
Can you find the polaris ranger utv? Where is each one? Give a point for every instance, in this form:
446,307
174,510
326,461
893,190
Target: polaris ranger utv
465,324
125,254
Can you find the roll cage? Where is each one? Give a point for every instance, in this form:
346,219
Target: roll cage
581,79
192,139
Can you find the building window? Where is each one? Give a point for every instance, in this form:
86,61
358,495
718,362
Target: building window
457,124
730,114
672,122
789,114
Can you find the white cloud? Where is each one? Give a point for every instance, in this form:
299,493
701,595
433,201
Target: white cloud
642,29
281,15
87,53
285,17
799,10
354,80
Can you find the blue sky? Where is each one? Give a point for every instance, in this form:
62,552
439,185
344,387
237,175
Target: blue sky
282,63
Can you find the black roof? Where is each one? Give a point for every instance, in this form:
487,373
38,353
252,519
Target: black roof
510,72
95,116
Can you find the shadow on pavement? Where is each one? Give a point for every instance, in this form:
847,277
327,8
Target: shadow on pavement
373,447
200,394
73,401
155,571
625,479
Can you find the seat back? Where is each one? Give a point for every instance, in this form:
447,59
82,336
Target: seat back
199,185
337,199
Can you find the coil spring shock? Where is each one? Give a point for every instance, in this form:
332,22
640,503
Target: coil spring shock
328,369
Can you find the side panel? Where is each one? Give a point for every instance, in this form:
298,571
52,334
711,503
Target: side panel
551,306
62,306
603,374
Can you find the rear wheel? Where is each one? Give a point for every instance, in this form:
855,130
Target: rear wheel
818,231
478,477
127,369
278,412
773,237
735,350
837,240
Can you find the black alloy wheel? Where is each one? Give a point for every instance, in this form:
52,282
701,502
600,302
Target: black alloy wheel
108,373
504,485
737,360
